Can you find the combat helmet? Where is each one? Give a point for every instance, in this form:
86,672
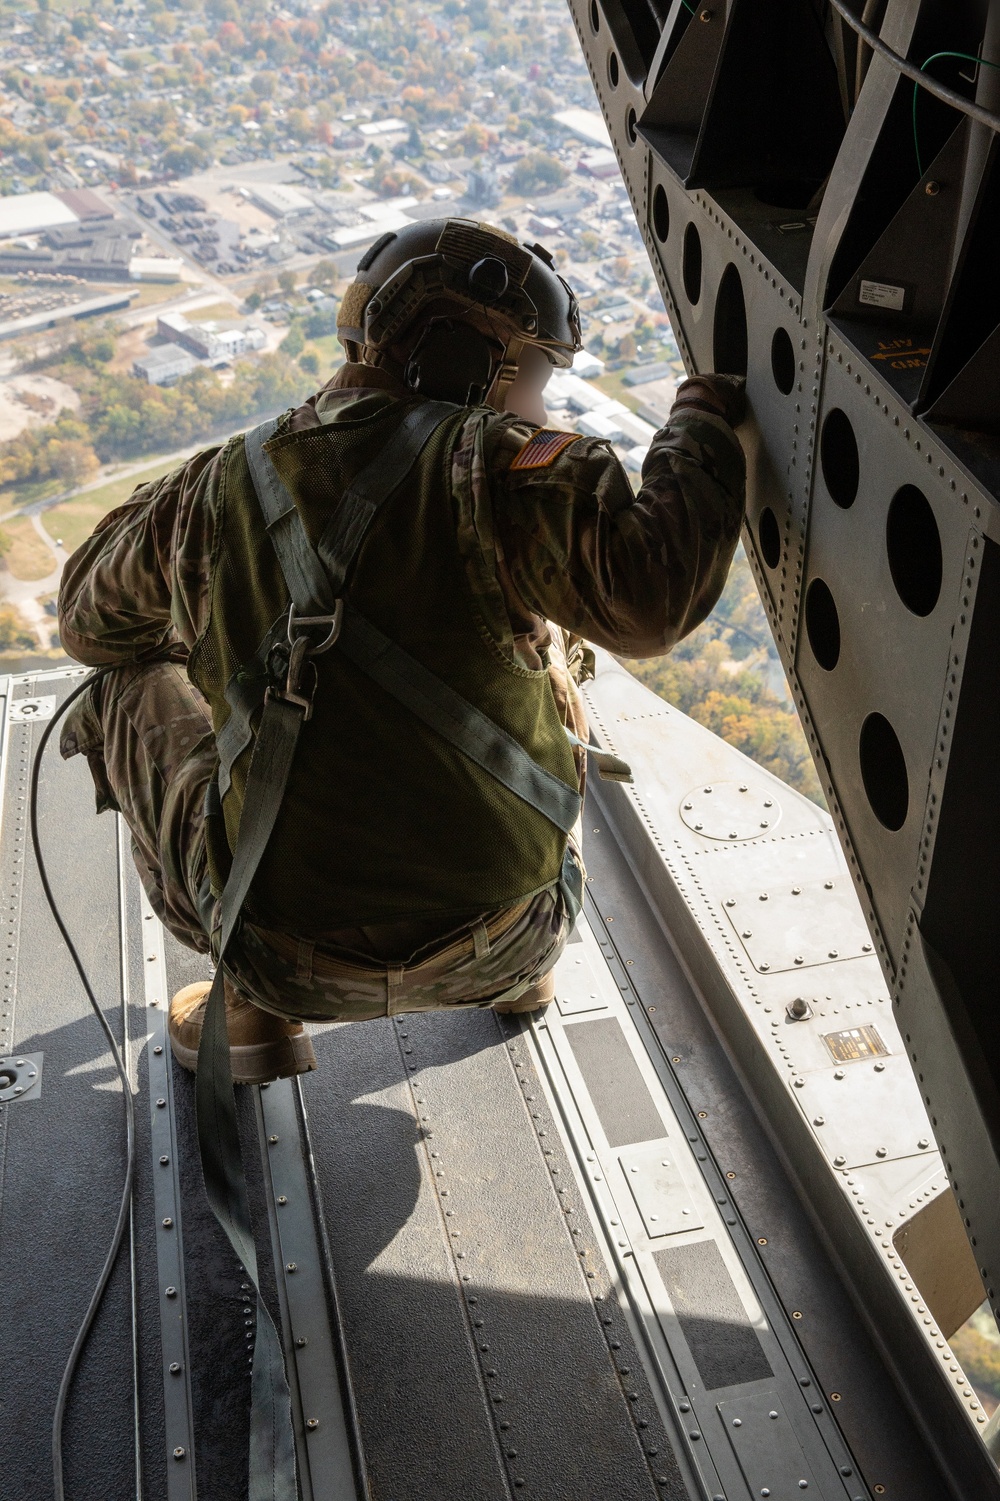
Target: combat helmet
428,277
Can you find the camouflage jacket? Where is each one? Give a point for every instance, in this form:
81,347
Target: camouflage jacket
630,572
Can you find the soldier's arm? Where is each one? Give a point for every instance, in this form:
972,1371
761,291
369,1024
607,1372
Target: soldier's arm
631,572
139,584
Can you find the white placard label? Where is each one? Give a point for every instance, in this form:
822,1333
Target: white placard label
880,294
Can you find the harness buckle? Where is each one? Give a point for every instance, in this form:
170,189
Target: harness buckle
301,649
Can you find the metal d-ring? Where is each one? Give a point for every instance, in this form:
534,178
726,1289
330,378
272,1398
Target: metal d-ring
334,621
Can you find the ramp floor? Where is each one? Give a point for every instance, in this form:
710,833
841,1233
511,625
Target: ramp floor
548,1258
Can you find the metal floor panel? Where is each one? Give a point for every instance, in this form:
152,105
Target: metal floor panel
509,1256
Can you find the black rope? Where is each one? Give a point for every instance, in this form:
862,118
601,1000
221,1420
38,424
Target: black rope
126,1198
912,71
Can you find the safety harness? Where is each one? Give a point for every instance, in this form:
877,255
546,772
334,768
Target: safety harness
282,688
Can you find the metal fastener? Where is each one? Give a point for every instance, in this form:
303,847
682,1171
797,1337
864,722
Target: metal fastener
272,1140
179,1453
312,1423
170,1292
175,1368
291,1266
282,1198
168,1223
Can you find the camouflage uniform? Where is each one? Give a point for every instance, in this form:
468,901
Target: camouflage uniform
575,548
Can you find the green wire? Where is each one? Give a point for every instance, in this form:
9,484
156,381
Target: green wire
687,7
969,58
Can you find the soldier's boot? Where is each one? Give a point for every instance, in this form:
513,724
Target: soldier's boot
534,999
262,1046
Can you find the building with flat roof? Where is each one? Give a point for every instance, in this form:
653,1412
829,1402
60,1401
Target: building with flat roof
585,124
278,199
31,213
163,365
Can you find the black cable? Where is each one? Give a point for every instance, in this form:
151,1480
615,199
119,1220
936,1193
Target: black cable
130,1154
910,70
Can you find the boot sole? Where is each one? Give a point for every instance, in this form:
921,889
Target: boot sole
261,1062
524,1004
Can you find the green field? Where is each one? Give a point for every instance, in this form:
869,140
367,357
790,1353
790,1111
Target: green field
72,521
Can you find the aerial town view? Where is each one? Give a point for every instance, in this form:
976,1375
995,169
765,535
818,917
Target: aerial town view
186,190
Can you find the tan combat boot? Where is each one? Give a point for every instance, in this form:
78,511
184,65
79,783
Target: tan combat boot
534,999
262,1046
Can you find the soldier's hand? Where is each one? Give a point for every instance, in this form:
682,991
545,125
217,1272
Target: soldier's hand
727,392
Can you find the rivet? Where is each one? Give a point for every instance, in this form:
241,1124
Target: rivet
179,1453
164,1161
272,1140
312,1423
290,1266
170,1292
301,1342
157,1050
282,1198
161,1104
175,1368
168,1223
932,189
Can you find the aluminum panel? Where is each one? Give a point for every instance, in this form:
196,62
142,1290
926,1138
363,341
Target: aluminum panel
667,1205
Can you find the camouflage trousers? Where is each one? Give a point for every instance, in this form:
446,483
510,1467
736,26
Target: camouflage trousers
147,734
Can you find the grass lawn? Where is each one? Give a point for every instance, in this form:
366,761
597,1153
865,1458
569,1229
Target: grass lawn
216,312
29,558
74,520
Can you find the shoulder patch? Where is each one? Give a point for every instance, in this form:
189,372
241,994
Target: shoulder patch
543,448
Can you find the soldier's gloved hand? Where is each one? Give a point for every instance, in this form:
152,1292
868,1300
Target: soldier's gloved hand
726,393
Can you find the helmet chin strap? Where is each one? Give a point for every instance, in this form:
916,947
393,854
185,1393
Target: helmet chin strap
506,374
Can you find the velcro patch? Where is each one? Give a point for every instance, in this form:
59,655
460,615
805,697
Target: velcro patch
543,449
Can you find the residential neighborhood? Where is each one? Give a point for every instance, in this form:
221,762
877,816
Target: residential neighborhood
185,191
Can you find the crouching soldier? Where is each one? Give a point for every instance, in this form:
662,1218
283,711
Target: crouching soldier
340,719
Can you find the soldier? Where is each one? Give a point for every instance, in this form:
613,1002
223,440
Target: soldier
357,628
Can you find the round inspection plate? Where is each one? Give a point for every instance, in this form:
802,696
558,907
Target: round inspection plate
17,1075
730,811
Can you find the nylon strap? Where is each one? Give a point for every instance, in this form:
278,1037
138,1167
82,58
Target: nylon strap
272,1443
372,486
610,768
457,721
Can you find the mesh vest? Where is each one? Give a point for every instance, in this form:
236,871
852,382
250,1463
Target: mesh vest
382,818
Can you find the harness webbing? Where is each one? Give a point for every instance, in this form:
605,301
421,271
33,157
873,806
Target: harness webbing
272,1443
314,579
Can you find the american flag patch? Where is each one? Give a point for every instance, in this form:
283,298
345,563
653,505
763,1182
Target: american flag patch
543,449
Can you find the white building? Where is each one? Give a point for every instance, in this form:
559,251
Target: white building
278,199
30,213
163,365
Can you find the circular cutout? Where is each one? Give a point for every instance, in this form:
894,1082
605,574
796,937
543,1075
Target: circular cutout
595,17
883,771
691,264
661,213
823,625
769,537
729,334
838,452
913,544
630,129
783,361
613,69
